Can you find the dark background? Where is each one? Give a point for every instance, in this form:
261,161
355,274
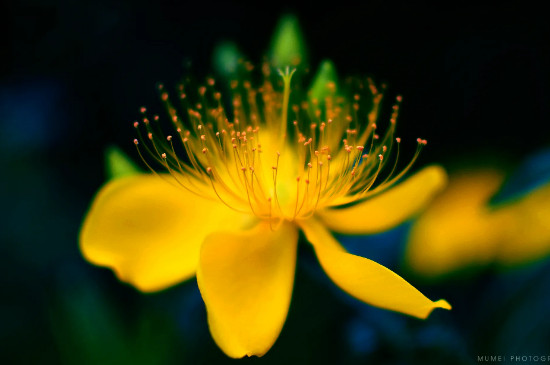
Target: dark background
475,81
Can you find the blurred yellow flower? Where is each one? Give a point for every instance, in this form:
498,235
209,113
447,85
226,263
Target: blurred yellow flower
460,230
230,210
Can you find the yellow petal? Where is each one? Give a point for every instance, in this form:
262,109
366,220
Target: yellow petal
365,279
527,237
246,282
149,231
390,208
458,229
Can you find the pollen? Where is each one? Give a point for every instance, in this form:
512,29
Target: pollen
267,150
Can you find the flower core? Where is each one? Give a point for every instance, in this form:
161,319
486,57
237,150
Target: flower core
276,153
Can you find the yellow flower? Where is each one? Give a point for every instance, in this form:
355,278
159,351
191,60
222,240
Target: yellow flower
460,230
241,185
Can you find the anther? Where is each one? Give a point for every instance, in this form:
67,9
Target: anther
169,138
398,140
164,155
204,150
380,157
136,142
136,124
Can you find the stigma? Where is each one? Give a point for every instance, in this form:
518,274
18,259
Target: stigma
272,150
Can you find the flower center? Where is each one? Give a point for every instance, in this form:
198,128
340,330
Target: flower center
254,161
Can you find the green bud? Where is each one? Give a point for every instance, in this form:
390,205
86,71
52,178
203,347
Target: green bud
325,82
287,45
117,164
226,58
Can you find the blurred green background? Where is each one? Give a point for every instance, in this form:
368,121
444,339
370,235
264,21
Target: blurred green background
475,81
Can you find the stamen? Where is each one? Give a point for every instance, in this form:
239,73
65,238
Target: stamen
334,130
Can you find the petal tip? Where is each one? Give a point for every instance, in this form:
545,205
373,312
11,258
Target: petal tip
442,303
240,353
439,176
